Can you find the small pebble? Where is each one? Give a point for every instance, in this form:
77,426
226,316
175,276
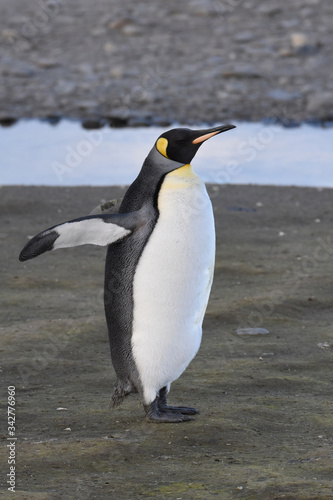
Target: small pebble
9,34
131,30
302,45
241,70
87,104
99,31
299,40
47,63
244,37
252,331
269,10
117,71
109,47
324,345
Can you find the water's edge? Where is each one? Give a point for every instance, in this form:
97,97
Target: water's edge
67,154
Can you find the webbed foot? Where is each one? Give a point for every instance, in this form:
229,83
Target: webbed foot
163,406
164,415
184,410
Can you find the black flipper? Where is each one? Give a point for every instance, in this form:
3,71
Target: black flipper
93,229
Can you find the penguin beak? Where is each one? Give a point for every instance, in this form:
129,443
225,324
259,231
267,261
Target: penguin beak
203,135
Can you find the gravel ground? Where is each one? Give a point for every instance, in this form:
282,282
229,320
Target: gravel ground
140,63
265,426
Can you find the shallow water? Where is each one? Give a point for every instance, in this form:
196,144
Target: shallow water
36,153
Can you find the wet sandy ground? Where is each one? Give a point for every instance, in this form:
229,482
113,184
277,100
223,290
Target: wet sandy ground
265,424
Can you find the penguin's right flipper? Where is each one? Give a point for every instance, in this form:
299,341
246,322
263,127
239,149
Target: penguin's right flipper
94,229
109,207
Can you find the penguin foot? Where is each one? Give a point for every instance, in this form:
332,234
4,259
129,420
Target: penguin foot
164,415
184,410
163,406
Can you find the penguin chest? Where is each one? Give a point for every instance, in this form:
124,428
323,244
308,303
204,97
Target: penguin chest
172,281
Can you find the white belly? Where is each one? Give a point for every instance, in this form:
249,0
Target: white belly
173,281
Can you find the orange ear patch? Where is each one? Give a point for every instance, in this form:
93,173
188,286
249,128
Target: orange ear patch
161,146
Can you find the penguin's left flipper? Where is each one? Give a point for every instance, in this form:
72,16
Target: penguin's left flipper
93,229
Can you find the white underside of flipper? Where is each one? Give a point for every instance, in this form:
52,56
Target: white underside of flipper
90,231
172,282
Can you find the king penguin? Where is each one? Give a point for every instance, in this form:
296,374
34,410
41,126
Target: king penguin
158,273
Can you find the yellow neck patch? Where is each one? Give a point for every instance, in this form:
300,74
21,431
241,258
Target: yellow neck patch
179,179
161,146
184,171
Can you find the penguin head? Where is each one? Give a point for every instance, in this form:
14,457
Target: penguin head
181,144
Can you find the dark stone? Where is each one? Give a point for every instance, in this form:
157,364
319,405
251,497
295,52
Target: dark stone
241,71
7,121
53,119
321,105
93,123
117,121
161,121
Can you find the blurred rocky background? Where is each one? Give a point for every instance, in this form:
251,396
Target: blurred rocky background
141,63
